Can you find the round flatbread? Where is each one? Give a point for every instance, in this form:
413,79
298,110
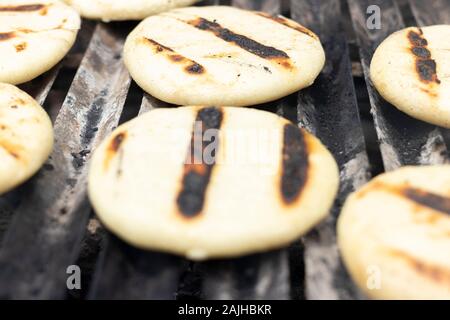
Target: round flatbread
222,56
209,182
394,234
113,10
411,70
34,36
26,136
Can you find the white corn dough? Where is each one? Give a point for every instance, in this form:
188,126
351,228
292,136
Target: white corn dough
137,176
222,56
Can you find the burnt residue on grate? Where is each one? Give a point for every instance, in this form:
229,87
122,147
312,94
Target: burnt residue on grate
79,159
295,163
93,117
425,66
197,171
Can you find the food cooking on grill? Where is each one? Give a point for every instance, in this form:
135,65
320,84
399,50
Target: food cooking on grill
222,56
34,36
109,10
26,136
208,182
394,234
411,70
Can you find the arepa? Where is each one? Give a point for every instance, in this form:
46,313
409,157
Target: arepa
26,137
394,234
411,70
34,36
209,182
115,10
222,56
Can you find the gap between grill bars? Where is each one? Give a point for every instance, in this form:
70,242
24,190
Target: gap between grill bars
54,227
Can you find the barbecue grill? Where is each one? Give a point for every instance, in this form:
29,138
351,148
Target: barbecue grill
47,224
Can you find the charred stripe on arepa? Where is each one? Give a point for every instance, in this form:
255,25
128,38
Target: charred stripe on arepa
436,273
11,149
7,35
425,65
21,46
113,148
420,197
294,163
242,41
191,66
287,23
22,8
428,199
197,172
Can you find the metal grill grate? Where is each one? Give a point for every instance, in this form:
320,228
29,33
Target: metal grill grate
47,225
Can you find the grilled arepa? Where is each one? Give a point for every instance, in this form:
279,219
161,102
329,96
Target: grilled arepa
114,10
411,70
208,182
26,136
34,36
222,56
394,234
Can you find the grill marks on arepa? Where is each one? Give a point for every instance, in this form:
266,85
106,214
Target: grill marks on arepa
191,66
12,149
435,272
197,172
295,163
421,198
23,8
287,23
113,149
428,199
4,36
242,41
7,35
20,32
425,65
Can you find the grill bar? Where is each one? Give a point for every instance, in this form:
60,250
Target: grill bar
46,230
403,140
260,276
425,17
269,6
40,88
149,103
129,273
329,109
